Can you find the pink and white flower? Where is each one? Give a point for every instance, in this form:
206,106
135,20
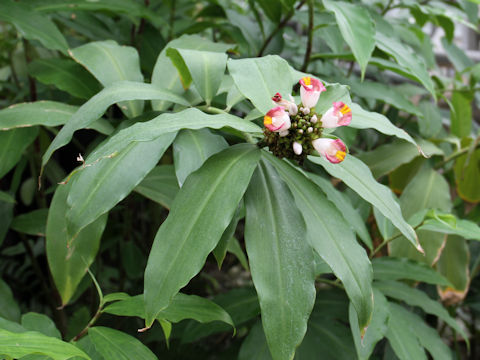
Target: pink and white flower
334,150
290,106
277,120
338,115
310,90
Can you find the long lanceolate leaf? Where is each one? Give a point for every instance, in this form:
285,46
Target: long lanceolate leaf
98,188
97,105
333,239
199,215
281,261
358,177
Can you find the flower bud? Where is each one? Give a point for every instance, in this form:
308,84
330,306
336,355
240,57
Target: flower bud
277,120
297,148
338,115
310,91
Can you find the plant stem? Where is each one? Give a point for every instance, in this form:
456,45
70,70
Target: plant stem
212,109
457,154
280,25
386,241
308,52
90,324
387,8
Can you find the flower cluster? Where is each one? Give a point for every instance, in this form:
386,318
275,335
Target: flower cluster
296,131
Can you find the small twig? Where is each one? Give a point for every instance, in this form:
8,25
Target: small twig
387,8
386,241
280,25
308,51
458,154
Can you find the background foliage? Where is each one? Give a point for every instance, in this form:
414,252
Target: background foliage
163,100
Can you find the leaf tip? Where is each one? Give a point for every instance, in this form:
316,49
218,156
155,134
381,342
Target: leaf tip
144,329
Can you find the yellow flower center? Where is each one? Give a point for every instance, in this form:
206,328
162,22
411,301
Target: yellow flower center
340,155
267,120
345,109
307,80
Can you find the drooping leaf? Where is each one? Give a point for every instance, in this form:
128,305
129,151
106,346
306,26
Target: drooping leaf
376,330
358,177
32,25
160,185
191,148
182,307
69,259
357,28
12,145
258,79
332,239
416,297
281,261
9,308
32,223
199,215
114,344
41,323
32,342
389,268
66,75
44,112
97,105
98,188
109,63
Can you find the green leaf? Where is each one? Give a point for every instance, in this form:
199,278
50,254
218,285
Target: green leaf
430,123
326,336
6,214
376,330
96,106
454,265
388,268
69,259
44,112
357,28
331,237
457,56
258,79
182,307
33,26
110,62
461,114
401,335
416,297
406,58
192,147
362,119
114,344
427,336
8,306
191,118
12,145
41,323
32,342
467,176
344,205
464,228
358,177
165,76
199,215
7,198
32,223
66,75
428,189
160,185
255,346
240,303
221,249
281,261
386,93
98,188
206,68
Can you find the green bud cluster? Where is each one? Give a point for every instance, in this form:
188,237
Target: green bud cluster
302,131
